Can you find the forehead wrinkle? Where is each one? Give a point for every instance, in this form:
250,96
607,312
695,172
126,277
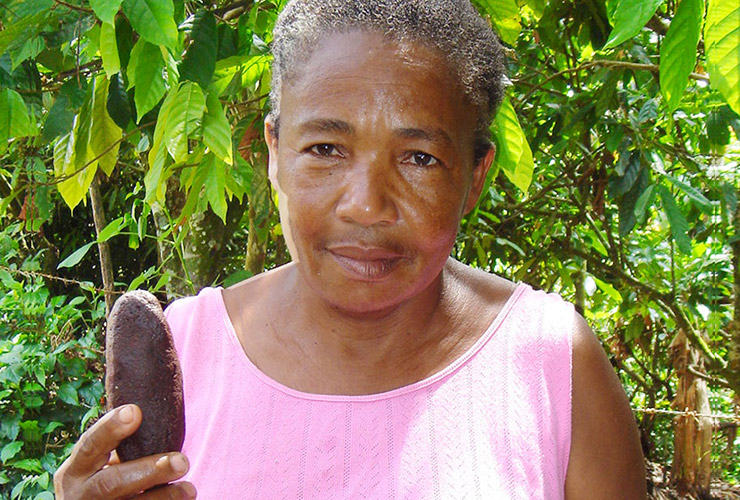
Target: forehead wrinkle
326,125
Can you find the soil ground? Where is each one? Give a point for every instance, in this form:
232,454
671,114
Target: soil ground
660,489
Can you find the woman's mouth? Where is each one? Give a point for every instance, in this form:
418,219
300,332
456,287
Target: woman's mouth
366,263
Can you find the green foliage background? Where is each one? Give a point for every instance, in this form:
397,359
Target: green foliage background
130,147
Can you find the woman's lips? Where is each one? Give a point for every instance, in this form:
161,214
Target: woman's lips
366,263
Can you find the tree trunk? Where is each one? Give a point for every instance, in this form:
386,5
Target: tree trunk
692,467
106,267
733,329
254,151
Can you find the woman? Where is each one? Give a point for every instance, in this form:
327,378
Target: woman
374,365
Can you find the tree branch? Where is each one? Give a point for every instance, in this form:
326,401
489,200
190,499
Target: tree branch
667,301
604,63
73,7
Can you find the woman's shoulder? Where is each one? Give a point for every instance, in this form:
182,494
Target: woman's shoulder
488,289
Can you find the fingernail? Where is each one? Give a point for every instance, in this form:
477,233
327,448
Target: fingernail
178,463
126,415
189,490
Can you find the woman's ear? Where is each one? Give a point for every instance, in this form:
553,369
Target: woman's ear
480,172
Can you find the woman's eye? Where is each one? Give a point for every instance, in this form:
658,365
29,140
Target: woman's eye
422,159
324,150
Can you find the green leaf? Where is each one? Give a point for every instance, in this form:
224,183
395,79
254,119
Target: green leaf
215,183
68,394
24,28
629,17
90,414
678,50
199,61
73,166
185,117
28,464
108,47
10,450
29,50
644,202
14,119
628,201
105,135
679,225
722,46
513,154
718,128
701,201
148,77
60,119
118,105
648,111
217,130
76,256
506,18
112,229
609,290
153,20
106,10
155,176
44,495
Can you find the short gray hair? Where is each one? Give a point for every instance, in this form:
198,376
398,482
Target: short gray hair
453,27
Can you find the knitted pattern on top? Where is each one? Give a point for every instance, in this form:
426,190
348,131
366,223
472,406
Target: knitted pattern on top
496,423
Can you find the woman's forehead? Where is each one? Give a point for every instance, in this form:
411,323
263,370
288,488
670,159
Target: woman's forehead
365,71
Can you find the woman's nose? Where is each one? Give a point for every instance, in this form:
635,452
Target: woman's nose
367,198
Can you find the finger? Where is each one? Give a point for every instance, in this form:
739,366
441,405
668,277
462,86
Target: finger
138,475
183,490
94,448
113,460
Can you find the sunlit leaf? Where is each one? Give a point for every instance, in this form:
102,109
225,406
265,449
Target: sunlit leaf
155,176
214,184
75,257
14,118
722,46
185,117
513,155
149,77
609,290
153,20
105,135
629,17
112,229
108,47
106,10
506,18
74,168
678,50
217,130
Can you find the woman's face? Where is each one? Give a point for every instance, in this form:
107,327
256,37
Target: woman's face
374,170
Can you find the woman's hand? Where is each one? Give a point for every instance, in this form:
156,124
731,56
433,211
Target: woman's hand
93,472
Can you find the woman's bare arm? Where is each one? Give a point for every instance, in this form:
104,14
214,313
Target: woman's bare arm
606,460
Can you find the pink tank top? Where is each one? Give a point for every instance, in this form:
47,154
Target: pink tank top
495,424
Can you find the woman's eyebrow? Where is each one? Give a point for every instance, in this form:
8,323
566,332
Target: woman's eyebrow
431,135
326,125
